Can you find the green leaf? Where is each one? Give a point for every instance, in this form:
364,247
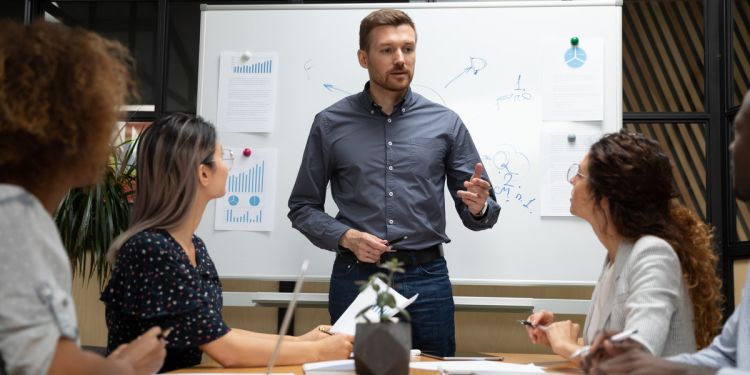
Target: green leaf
90,218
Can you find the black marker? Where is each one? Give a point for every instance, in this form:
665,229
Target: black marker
397,240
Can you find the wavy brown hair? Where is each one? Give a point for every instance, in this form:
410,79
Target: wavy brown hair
635,176
60,93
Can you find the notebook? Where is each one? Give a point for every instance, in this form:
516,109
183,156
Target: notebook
287,316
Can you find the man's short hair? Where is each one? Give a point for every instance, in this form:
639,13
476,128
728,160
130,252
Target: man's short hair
381,17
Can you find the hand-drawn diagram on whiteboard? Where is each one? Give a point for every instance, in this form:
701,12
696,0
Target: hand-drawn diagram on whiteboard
249,200
475,65
247,92
519,94
511,166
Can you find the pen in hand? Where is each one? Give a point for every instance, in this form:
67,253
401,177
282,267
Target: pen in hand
531,325
327,332
397,240
622,336
164,333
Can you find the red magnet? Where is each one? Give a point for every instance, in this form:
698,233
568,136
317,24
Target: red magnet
247,152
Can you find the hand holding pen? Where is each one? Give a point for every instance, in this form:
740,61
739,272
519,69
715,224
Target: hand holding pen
536,324
366,247
605,347
620,337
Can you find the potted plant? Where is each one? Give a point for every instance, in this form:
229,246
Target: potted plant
383,339
90,218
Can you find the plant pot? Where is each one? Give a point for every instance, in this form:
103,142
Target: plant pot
382,348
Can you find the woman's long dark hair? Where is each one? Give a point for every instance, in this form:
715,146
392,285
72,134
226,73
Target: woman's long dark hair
169,153
635,176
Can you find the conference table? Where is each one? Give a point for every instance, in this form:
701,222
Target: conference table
550,362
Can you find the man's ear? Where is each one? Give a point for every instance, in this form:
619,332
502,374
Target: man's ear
362,57
204,173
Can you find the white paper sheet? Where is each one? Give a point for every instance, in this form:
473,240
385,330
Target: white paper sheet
347,323
343,366
573,77
476,367
248,204
559,153
247,92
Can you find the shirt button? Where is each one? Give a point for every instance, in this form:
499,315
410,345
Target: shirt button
403,110
389,120
390,167
390,193
390,143
390,221
372,111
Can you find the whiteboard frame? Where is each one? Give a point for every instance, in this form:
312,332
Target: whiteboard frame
406,6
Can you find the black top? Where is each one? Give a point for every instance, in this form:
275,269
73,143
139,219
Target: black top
154,284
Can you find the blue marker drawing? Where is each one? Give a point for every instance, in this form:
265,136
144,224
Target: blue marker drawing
575,57
475,65
330,87
511,165
233,200
518,95
442,101
308,66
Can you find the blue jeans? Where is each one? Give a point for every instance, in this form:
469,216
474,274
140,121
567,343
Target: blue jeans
432,324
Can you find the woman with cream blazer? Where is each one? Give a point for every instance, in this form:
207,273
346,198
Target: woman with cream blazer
646,292
659,274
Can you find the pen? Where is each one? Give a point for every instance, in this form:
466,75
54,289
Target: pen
530,324
397,240
164,333
327,332
622,336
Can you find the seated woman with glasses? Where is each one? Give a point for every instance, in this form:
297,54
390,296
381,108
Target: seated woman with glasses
659,274
163,274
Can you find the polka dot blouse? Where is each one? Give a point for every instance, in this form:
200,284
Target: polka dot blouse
154,284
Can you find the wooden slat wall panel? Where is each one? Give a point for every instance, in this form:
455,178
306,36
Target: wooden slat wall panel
741,49
686,145
663,56
740,85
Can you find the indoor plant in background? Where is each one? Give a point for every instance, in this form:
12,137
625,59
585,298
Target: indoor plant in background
90,218
383,337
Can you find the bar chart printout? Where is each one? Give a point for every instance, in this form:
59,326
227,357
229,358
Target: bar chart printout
247,92
248,204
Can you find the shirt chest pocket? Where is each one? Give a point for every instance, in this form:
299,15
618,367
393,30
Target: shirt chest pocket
427,157
60,306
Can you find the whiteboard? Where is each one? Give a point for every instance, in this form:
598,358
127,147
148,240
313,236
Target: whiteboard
316,46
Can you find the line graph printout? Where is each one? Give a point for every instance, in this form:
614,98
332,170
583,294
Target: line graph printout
247,92
248,204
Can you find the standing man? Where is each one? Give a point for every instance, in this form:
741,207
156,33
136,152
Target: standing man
387,153
729,353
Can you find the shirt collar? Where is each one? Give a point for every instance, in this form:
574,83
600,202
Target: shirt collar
407,102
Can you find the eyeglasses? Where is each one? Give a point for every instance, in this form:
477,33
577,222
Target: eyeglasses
226,154
573,171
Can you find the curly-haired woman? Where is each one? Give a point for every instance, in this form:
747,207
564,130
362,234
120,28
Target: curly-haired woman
659,274
60,90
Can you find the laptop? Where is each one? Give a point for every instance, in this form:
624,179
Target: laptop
288,316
